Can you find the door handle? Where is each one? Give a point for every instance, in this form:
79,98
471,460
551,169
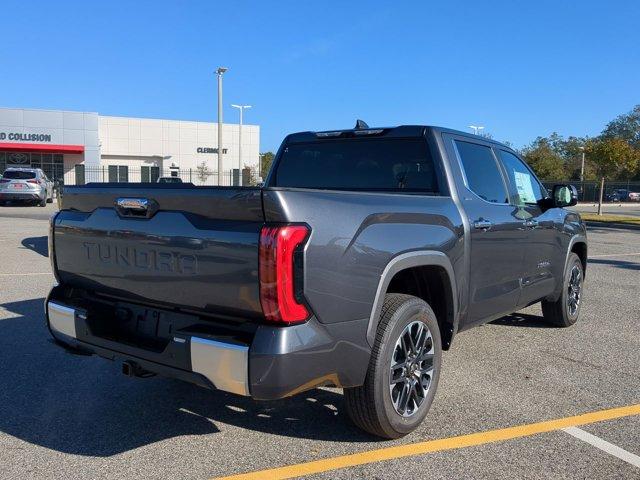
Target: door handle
482,224
531,223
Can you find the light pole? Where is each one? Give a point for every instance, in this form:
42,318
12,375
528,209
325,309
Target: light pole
582,166
241,108
220,71
476,128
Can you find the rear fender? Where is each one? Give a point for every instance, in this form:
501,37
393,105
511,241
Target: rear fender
401,262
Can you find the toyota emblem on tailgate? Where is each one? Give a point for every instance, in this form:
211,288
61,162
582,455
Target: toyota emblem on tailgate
136,207
133,203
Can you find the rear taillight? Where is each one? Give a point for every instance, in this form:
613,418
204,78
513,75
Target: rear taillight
37,182
281,273
4,180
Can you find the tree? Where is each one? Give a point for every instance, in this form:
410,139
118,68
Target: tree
625,127
545,157
610,157
266,159
203,172
571,150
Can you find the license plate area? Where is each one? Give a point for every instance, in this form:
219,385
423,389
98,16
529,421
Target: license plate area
135,325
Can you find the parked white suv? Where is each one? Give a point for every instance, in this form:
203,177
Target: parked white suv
26,185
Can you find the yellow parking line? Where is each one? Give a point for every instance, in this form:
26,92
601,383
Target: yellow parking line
390,453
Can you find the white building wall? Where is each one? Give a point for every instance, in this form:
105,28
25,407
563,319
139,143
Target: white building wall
65,128
134,142
167,142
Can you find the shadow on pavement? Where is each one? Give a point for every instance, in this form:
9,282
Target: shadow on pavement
37,244
522,320
625,264
84,406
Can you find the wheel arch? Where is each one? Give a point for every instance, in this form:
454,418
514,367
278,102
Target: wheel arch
428,275
579,247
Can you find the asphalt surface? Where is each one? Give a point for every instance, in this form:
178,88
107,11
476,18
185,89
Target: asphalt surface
63,416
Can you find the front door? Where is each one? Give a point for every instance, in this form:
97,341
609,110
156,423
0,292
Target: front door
542,224
496,233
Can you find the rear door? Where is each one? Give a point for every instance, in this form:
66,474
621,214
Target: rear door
496,231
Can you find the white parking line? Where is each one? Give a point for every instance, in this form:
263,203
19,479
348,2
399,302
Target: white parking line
615,255
23,274
603,445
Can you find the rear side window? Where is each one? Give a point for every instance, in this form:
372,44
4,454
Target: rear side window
387,165
482,173
18,175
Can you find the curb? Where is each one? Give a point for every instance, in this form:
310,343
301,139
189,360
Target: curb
625,226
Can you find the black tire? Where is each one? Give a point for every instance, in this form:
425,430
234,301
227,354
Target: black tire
371,406
43,202
559,313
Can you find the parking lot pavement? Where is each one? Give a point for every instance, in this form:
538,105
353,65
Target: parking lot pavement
63,416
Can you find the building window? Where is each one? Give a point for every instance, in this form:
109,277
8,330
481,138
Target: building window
149,174
51,164
118,173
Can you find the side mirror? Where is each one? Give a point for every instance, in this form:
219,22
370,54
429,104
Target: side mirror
564,196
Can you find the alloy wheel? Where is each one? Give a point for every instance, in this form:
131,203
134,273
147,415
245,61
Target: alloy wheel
573,290
412,368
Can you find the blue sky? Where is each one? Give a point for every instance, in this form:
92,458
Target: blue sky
521,68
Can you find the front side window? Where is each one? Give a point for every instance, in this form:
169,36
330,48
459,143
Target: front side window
482,172
529,190
373,164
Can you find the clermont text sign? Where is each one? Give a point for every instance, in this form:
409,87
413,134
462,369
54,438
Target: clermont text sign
210,150
25,137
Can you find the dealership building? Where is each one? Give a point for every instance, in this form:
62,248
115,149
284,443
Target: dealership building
81,147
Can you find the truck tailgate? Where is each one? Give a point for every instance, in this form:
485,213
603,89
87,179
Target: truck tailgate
194,247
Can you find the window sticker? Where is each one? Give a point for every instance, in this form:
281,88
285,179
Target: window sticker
524,187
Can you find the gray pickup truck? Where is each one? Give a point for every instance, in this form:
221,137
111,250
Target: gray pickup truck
365,252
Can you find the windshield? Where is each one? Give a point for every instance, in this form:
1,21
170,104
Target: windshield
19,174
374,164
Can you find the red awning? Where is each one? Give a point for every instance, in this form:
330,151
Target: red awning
41,147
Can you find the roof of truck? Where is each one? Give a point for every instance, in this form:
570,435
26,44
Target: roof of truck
397,131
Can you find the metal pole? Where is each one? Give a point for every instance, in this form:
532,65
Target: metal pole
582,168
241,108
220,71
219,126
240,150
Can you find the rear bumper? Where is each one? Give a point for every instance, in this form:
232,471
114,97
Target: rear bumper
28,195
277,363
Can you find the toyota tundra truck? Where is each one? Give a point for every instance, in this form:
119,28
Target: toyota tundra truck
355,264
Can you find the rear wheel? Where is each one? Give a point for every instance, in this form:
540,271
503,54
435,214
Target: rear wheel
403,371
565,311
43,202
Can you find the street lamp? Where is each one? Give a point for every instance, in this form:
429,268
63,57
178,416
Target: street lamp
582,166
476,128
220,71
241,108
